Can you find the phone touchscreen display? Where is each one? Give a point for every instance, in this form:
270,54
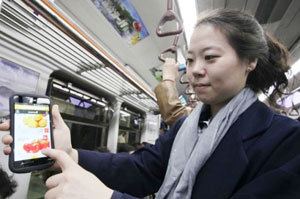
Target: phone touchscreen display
32,130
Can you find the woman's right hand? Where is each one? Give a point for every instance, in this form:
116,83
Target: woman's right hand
74,181
61,135
170,69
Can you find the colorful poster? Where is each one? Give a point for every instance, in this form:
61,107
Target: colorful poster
157,73
124,18
14,78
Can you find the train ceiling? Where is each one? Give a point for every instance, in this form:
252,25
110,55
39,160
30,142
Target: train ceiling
280,17
133,80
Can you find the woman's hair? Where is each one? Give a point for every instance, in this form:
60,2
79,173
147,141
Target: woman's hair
251,42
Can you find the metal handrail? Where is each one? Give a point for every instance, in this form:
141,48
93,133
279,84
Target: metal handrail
169,15
181,80
293,111
172,49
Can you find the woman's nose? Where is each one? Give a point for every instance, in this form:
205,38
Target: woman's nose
199,68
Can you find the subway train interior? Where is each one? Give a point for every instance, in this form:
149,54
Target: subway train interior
100,61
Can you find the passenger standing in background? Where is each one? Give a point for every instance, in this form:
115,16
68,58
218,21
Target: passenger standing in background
231,146
166,93
121,138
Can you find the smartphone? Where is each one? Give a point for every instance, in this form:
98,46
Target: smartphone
31,129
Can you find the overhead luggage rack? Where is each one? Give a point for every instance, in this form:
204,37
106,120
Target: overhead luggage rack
49,37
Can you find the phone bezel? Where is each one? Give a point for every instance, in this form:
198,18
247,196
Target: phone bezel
24,166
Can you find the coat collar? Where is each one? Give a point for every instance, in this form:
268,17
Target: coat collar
225,168
252,125
255,120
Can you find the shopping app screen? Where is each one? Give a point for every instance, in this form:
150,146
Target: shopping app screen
32,130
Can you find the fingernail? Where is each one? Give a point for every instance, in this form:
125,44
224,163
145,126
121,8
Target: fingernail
45,151
56,105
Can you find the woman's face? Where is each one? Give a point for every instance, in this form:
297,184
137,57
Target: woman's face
213,67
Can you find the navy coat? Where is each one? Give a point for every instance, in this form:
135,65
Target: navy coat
259,157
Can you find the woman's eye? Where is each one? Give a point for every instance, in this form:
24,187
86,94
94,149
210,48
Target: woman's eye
210,57
189,61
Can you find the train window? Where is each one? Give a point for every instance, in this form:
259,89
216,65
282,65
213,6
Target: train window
132,138
124,119
135,123
76,106
130,126
87,136
86,115
291,100
14,78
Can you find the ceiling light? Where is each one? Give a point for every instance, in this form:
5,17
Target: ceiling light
101,103
124,113
189,17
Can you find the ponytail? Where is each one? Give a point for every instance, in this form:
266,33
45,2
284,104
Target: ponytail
270,70
278,57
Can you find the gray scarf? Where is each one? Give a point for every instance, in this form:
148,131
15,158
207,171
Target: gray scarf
192,146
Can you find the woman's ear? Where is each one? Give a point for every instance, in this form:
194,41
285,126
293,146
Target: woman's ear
252,65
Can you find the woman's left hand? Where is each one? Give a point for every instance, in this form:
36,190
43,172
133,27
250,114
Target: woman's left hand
74,182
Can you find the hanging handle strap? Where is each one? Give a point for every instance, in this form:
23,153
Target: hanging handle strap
170,5
187,90
181,79
293,111
170,15
171,49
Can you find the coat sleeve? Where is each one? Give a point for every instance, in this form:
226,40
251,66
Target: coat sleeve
169,104
279,183
279,176
138,174
118,195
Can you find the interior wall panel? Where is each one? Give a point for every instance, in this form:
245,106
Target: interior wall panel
289,28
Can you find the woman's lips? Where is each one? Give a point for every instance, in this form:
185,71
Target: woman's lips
200,87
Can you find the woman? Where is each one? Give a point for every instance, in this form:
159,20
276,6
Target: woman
231,147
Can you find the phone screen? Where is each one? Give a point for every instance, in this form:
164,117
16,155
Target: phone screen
32,130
